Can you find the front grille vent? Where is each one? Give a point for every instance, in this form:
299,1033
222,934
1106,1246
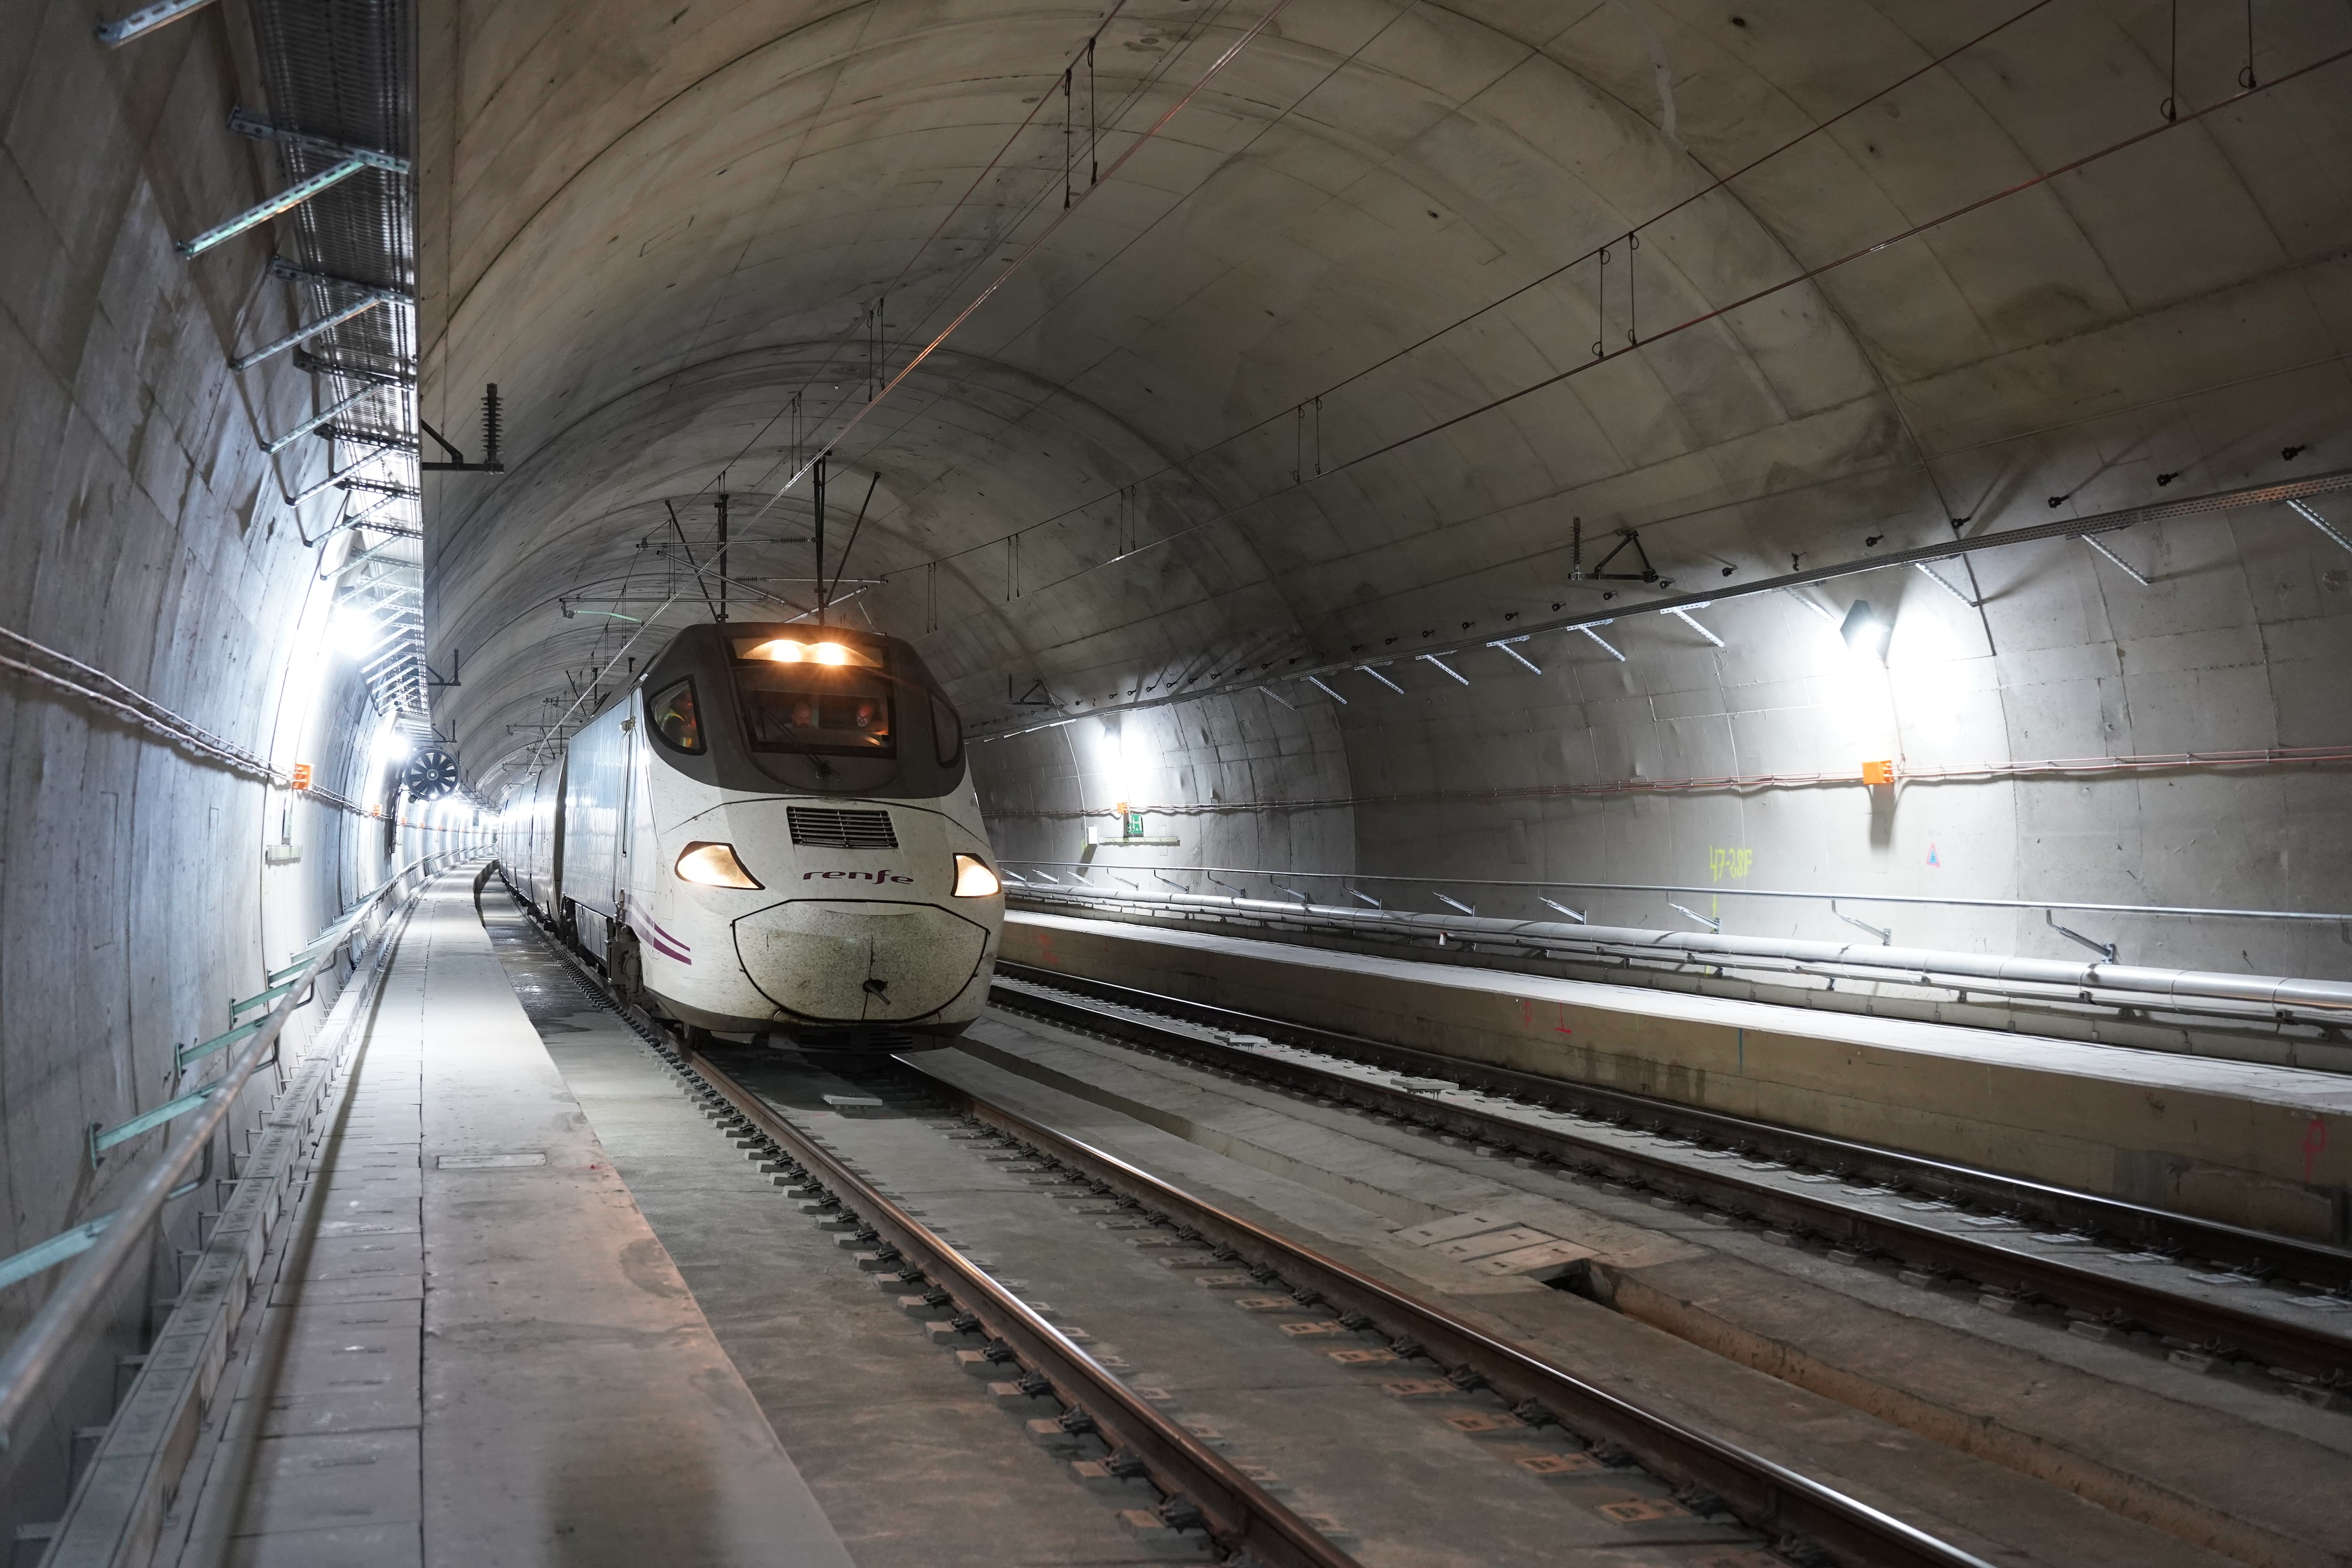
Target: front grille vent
825,827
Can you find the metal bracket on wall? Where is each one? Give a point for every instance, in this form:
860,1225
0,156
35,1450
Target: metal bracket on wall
1686,617
244,123
1648,573
1563,908
1938,579
1602,641
146,20
493,422
2105,950
323,416
377,487
312,365
2120,564
364,437
2318,522
293,197
286,271
1885,934
303,335
1506,644
1713,925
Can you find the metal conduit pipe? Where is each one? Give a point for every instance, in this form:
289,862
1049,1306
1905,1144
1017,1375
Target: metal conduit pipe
2036,978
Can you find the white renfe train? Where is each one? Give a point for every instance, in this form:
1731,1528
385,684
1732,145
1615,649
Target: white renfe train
772,833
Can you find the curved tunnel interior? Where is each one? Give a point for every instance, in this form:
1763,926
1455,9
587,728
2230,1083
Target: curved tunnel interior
1384,341
1620,458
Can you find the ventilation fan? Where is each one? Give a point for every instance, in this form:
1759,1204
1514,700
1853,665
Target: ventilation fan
432,775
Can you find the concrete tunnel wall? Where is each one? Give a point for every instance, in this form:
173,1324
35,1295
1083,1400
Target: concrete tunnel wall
652,226
146,535
653,230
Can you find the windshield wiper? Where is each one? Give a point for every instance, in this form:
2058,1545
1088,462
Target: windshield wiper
823,768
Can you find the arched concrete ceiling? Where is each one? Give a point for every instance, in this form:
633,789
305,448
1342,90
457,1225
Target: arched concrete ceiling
655,227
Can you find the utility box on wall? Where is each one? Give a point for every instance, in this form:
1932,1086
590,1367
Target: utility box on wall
1126,828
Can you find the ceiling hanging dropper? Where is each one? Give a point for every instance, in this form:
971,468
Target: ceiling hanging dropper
723,565
818,492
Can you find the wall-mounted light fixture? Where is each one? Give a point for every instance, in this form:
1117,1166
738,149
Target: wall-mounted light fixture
1866,632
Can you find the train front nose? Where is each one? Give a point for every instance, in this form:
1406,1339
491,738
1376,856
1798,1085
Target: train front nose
858,961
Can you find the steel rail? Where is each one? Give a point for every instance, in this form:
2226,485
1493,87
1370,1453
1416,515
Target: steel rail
2314,1262
37,1352
1765,1494
2310,1352
1238,1514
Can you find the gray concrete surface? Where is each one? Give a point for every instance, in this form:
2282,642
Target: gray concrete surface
1408,1489
476,1352
910,1459
142,532
655,227
2240,1142
2225,1462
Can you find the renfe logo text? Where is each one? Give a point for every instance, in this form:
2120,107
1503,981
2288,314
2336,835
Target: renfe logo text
856,876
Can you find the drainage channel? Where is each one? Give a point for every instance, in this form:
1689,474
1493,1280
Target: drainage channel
2110,1267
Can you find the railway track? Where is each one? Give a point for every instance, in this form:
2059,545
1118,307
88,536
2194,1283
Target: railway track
2107,1265
1622,1476
1669,1486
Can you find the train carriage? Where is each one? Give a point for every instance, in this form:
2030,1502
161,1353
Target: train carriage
772,833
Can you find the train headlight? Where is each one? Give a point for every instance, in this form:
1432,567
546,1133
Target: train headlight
713,865
974,879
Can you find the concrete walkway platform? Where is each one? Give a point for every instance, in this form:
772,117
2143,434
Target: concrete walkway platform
2251,1144
473,1351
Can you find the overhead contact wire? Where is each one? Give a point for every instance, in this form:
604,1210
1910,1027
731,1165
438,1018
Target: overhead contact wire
1231,52
907,266
1262,133
1149,79
1183,464
1610,356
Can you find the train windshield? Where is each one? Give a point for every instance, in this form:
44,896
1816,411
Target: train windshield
823,693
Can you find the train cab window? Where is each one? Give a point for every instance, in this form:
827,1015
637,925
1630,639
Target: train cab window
946,732
822,694
675,718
